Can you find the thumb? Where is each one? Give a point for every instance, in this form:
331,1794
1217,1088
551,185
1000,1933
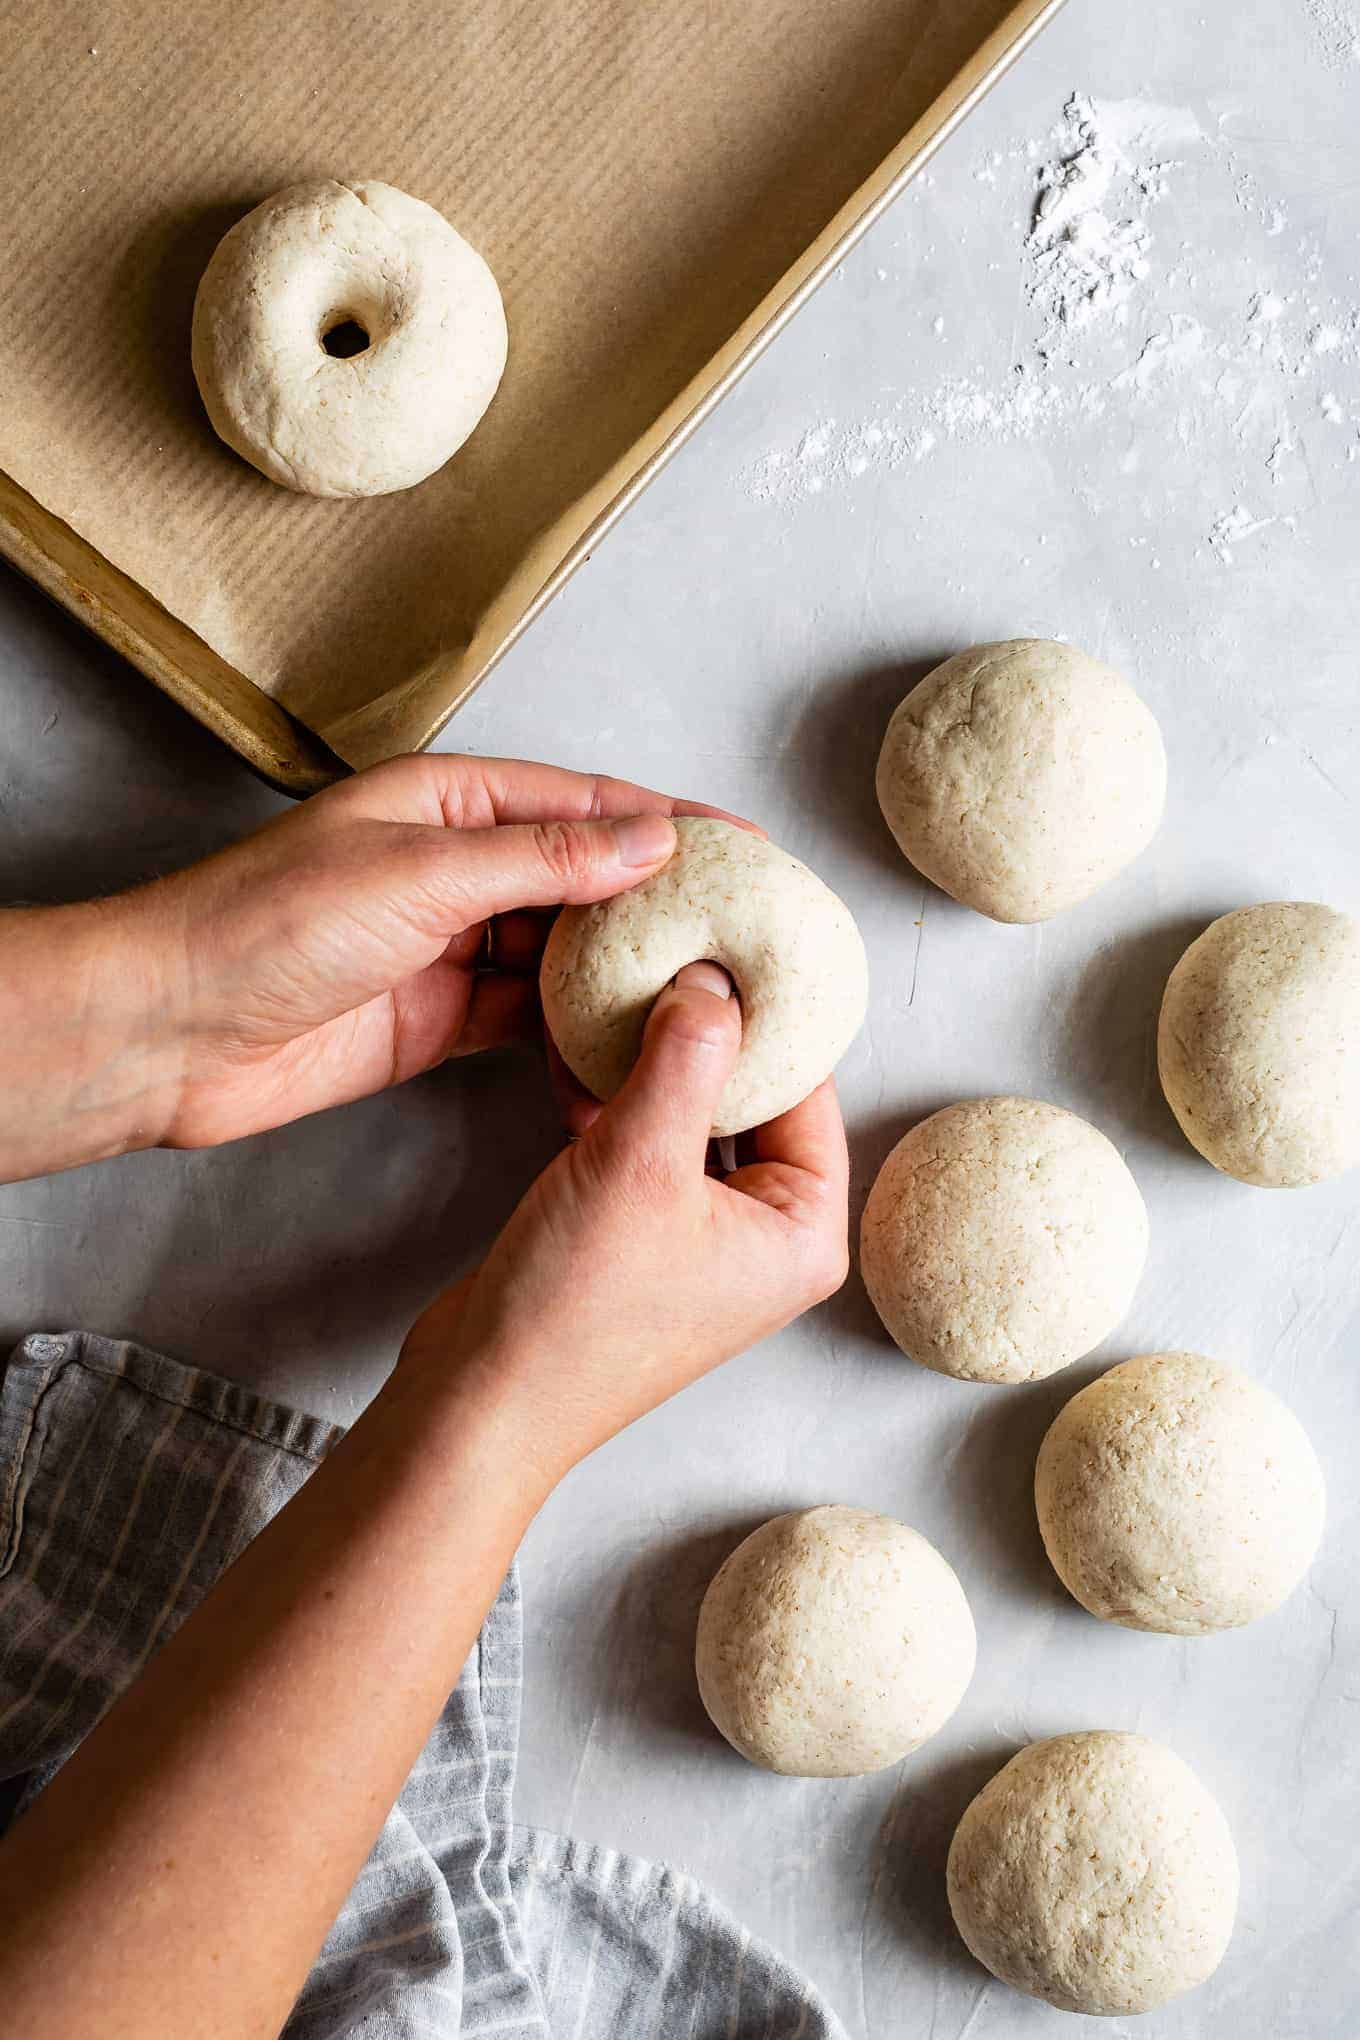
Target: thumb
550,864
689,1049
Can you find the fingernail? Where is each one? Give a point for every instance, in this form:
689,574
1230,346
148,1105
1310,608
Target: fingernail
644,839
704,977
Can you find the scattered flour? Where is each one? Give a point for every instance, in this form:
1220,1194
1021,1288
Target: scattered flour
1336,31
1166,353
1233,526
1112,321
1090,238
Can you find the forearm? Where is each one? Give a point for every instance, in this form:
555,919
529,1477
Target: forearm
89,1051
184,1868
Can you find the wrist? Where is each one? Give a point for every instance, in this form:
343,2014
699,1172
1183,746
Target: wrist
90,1015
473,1388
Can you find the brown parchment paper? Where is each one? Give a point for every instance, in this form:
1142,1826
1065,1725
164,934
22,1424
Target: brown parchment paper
639,173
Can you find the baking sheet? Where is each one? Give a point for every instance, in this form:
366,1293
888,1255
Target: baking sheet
640,175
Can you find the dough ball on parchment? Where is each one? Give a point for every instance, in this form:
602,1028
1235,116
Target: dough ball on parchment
1259,1043
729,897
1176,1494
1002,1239
1097,1873
1021,776
833,1641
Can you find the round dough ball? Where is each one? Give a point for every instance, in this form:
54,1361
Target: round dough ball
832,1642
1020,776
1259,1043
1002,1239
323,255
1097,1873
1175,1494
728,897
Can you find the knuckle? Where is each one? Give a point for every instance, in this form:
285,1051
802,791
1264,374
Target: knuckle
564,851
698,1019
700,1030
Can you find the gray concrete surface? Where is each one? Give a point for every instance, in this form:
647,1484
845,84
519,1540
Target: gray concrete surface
924,460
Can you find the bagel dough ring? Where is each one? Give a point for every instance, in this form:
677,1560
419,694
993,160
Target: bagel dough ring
833,1642
1175,1494
1096,1872
1021,776
1258,1044
1003,1238
320,255
729,897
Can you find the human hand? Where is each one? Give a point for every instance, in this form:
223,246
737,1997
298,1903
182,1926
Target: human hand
385,925
628,1270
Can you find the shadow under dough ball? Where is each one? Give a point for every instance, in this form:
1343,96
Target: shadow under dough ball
1258,1044
1020,776
1095,1872
729,897
1003,1239
1176,1494
417,308
833,1641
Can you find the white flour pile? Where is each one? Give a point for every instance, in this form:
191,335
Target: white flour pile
1192,349
1090,240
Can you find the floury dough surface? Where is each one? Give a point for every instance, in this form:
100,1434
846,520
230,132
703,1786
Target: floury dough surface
1258,1043
1176,1494
320,255
790,946
833,1641
1096,1872
1021,776
1003,1238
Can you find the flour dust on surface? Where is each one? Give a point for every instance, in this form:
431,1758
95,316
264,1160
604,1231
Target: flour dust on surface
1241,361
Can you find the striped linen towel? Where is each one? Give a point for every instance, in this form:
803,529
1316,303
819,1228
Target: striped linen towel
128,1483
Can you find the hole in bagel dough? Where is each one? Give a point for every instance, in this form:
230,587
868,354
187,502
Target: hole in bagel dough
345,339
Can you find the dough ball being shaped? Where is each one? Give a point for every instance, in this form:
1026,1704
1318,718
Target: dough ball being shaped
832,1642
1021,776
1097,1873
323,255
1002,1239
1259,1043
1176,1494
728,897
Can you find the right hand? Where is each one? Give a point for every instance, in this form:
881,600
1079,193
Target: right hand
628,1271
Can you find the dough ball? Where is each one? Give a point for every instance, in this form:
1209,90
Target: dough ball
832,1642
726,896
1002,1240
1097,1873
318,257
1175,1494
1259,1043
1020,776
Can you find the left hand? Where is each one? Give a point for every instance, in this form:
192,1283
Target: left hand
391,922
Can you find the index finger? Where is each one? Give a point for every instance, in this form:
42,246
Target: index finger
810,1137
463,792
522,791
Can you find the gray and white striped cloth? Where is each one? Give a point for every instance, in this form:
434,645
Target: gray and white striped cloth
128,1483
